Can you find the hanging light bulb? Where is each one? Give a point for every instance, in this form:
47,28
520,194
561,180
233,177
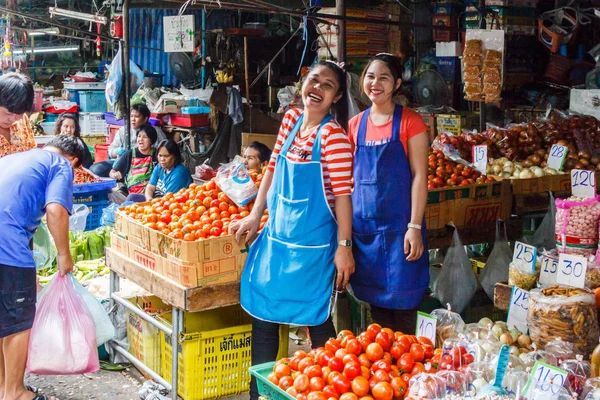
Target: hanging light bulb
7,52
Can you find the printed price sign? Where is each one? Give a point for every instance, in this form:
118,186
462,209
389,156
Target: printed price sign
571,270
557,156
548,272
551,378
517,309
583,183
480,158
426,325
525,256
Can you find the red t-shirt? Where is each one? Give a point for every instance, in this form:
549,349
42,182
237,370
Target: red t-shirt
336,154
411,125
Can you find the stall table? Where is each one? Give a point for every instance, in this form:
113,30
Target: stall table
181,298
473,234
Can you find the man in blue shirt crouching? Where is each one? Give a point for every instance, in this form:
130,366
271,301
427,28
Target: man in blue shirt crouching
32,183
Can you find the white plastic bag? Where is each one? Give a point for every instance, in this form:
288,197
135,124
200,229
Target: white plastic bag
496,268
235,181
456,283
544,235
105,330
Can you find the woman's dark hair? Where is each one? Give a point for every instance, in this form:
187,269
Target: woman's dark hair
172,148
142,108
150,132
264,152
393,63
339,109
16,93
62,118
69,146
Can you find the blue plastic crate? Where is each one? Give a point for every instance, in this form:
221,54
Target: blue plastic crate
95,215
92,101
73,95
105,183
90,197
50,117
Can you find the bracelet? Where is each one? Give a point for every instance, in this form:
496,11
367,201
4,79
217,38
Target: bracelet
414,226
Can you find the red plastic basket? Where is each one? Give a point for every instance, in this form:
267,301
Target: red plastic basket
189,120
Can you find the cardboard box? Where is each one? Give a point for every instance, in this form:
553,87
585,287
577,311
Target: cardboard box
472,205
119,243
169,105
449,21
429,120
449,68
263,138
451,123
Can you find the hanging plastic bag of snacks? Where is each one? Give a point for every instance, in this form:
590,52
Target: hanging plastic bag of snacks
576,228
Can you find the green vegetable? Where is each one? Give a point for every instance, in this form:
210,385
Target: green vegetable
95,245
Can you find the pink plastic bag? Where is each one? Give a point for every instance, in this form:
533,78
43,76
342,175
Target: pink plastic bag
576,228
63,337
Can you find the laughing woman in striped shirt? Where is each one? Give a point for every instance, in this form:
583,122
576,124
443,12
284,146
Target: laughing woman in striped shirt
291,268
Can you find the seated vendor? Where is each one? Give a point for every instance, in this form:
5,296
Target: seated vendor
257,156
68,124
135,167
139,115
169,176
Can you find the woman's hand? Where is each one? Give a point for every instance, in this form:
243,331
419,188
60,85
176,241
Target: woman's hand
413,244
115,175
344,263
249,225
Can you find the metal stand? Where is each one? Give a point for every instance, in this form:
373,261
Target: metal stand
174,333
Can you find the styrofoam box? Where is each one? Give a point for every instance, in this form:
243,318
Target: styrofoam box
48,127
93,124
448,49
586,102
84,85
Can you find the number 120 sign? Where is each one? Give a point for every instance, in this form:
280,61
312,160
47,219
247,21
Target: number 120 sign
583,183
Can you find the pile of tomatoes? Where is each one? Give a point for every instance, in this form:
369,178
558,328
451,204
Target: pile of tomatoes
195,213
443,172
375,365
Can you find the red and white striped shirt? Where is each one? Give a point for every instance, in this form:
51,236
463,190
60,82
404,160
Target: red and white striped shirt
336,154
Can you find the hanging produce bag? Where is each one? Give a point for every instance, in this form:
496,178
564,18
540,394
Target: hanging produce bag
235,181
63,337
456,273
543,237
496,268
576,230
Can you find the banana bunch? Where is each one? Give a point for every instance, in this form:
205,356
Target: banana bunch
223,76
83,271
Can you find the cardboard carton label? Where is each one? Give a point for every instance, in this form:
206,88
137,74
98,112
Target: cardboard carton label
483,213
146,260
119,244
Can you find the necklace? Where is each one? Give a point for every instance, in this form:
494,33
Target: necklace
304,130
387,119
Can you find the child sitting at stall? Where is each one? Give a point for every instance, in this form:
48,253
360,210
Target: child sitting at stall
135,167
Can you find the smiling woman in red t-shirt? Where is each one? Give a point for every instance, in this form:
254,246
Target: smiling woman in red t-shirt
390,193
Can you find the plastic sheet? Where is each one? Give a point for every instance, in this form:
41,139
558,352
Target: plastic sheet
104,328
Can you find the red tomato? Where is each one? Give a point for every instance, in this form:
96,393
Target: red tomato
384,340
424,340
374,352
282,370
292,391
333,345
294,363
383,391
273,378
382,376
406,378
336,364
354,347
304,363
399,387
350,358
417,352
330,392
365,372
352,370
313,371
396,351
428,351
364,341
301,383
286,382
404,342
318,395
341,353
360,386
326,372
417,369
300,354
342,384
316,384
406,362
381,364
373,330
345,333
215,231
467,359
348,396
364,361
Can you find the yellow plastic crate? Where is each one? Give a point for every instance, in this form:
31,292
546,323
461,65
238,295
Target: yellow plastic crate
477,264
214,353
143,337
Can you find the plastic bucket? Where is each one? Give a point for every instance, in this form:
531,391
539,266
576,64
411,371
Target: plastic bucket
78,217
38,100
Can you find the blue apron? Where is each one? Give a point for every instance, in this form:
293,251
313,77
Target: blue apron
381,206
289,274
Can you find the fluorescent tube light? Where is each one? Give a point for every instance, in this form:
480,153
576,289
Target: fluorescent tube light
39,50
78,15
42,32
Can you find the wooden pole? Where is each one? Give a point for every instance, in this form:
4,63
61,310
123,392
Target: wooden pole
340,10
126,73
247,79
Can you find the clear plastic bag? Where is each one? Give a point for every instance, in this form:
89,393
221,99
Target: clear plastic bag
235,181
426,386
456,382
455,355
105,330
457,272
566,313
449,324
544,235
63,338
549,391
530,358
577,225
514,382
496,268
592,274
591,389
523,277
579,372
561,350
44,252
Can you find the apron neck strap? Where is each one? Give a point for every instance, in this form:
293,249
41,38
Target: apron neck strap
316,153
396,120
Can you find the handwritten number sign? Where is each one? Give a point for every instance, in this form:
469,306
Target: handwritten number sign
480,158
583,183
571,270
517,310
548,272
426,325
546,374
525,256
557,156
